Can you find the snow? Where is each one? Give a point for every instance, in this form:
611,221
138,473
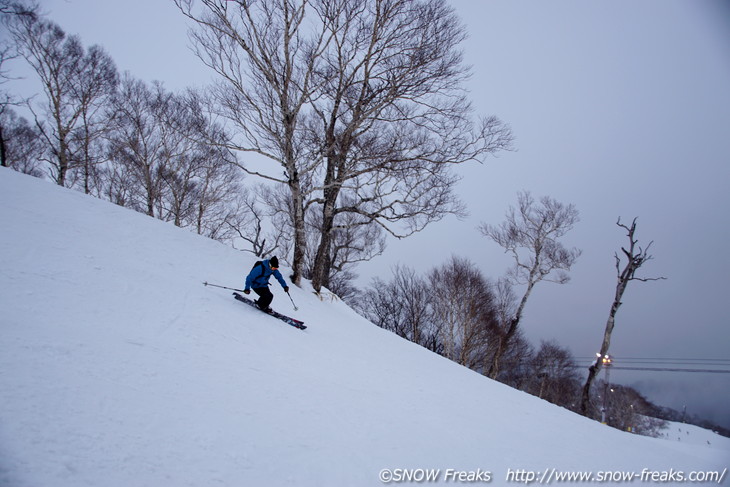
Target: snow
118,368
694,435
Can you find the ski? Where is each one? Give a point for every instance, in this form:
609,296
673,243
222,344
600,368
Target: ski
275,314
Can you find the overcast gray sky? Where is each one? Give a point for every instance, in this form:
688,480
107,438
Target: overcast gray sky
621,108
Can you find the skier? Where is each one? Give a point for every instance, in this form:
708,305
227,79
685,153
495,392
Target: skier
258,280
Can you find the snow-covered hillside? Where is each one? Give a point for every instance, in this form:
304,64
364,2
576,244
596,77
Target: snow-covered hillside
118,368
694,435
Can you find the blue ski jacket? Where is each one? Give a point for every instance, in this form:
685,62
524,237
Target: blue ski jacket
260,274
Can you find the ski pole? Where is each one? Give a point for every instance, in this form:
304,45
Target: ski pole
206,283
292,301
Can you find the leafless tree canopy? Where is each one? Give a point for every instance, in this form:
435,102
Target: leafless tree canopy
265,57
530,234
133,143
402,305
450,311
21,146
360,103
463,304
14,136
393,114
455,311
554,376
74,81
160,165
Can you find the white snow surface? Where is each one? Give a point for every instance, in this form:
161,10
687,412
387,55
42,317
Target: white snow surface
694,435
118,368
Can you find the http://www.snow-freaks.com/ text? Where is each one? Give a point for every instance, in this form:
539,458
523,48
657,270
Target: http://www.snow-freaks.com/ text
548,476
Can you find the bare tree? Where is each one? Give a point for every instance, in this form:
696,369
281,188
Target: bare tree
93,90
72,81
216,191
265,61
353,241
161,166
392,115
505,305
22,147
379,84
414,293
554,375
187,164
55,58
530,233
463,304
137,143
515,365
381,304
18,7
211,182
9,11
635,256
402,305
249,223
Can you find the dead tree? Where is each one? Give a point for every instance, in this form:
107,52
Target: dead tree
635,256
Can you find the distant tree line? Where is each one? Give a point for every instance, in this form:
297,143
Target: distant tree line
456,311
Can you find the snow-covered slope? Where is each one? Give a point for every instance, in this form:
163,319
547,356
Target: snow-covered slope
694,435
118,368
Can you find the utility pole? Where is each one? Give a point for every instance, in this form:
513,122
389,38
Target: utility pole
606,361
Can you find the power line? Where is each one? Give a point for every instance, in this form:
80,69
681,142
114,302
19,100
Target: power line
669,364
666,369
662,359
673,365
660,369
684,362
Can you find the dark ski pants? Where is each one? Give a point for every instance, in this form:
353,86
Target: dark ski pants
265,297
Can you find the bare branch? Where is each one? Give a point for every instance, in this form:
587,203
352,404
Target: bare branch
530,234
635,258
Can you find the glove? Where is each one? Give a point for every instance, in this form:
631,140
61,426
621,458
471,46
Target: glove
246,291
286,289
